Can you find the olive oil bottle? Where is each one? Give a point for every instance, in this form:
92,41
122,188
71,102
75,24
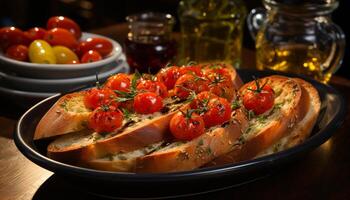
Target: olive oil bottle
211,31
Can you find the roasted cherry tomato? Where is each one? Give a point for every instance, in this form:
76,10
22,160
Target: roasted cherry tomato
196,69
35,33
147,103
60,36
221,85
202,99
218,69
17,52
218,112
66,23
11,35
186,126
153,86
188,83
105,119
169,76
97,97
102,45
91,56
41,52
64,55
258,98
119,82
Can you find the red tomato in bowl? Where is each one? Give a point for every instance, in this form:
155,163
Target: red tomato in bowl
91,56
35,33
66,23
102,45
60,36
17,52
11,35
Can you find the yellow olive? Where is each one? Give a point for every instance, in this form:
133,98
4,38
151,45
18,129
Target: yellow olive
41,52
64,55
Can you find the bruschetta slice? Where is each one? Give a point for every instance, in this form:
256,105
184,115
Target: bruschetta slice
136,132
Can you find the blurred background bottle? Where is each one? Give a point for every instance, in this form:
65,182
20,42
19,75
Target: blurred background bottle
211,31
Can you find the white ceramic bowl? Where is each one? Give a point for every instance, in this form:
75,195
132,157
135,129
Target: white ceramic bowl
48,71
58,85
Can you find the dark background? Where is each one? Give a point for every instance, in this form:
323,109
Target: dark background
92,14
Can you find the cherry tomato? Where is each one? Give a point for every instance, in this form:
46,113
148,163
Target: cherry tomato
218,69
186,126
221,85
66,23
258,99
60,36
189,82
153,86
103,46
64,55
97,97
196,69
105,119
41,52
11,35
219,112
147,103
91,56
169,76
17,52
119,82
35,33
202,99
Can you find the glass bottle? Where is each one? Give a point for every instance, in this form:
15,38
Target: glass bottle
211,31
298,36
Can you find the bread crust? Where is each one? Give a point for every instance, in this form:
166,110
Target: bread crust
59,121
196,152
276,129
141,135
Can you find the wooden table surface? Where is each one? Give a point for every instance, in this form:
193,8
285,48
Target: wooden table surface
322,174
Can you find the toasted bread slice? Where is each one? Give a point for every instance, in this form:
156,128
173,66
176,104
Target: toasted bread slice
182,156
177,156
303,128
236,138
87,145
266,129
68,114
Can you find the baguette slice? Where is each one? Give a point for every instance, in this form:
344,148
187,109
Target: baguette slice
266,129
68,114
218,141
177,156
87,145
304,127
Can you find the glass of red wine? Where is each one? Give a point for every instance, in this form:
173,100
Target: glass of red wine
149,45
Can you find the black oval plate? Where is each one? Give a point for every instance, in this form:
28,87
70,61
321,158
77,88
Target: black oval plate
130,185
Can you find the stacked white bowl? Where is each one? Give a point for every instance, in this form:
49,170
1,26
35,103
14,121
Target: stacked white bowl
30,82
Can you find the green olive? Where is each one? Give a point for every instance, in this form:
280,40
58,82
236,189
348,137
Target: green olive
41,52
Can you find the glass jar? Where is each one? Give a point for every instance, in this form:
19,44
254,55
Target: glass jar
149,46
298,36
211,31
